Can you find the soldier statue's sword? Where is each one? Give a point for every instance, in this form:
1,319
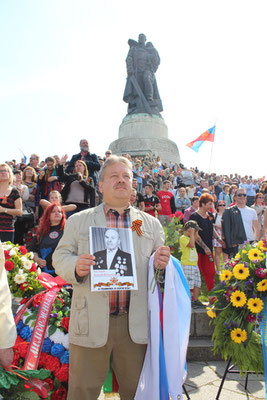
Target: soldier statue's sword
140,94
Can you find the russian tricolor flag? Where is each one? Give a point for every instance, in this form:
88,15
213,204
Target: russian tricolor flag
207,136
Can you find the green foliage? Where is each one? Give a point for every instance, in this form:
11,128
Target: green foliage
246,356
172,234
12,385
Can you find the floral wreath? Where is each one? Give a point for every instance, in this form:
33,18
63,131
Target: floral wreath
237,311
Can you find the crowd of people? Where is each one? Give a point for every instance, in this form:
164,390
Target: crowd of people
161,189
219,213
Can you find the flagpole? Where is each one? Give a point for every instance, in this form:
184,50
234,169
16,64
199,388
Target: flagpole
211,152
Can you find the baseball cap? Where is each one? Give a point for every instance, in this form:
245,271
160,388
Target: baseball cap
192,224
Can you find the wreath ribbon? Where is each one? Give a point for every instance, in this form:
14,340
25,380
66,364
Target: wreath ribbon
53,286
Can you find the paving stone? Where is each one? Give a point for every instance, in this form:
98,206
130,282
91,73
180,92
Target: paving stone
209,392
108,396
219,367
256,389
200,374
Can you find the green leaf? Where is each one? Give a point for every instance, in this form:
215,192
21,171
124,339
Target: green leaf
7,379
29,318
37,373
52,329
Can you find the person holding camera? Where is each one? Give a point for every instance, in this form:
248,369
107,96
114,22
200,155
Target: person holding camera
78,189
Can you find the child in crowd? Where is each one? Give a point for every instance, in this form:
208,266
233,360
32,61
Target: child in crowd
55,197
189,261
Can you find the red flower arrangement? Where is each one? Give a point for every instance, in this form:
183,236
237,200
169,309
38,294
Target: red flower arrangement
65,323
50,383
62,374
50,362
9,265
33,268
7,255
59,394
38,299
23,250
24,286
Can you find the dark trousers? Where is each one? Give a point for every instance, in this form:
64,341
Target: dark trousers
7,236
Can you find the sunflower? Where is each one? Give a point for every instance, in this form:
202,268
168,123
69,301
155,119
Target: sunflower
225,275
261,246
262,285
255,305
211,313
240,272
238,299
255,254
238,336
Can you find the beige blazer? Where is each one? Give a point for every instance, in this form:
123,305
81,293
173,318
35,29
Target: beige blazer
8,331
89,321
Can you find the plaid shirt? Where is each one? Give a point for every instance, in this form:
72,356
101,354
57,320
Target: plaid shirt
119,300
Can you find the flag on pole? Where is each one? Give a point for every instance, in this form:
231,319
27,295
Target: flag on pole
24,157
207,136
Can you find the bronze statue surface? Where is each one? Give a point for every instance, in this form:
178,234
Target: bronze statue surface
141,91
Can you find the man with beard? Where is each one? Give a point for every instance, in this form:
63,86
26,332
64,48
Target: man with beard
90,159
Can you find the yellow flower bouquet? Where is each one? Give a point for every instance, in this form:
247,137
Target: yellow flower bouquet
237,312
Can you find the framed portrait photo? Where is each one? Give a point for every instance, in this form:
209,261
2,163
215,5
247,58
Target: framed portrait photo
114,267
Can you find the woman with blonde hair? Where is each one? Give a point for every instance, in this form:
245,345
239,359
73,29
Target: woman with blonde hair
29,178
260,207
78,189
10,204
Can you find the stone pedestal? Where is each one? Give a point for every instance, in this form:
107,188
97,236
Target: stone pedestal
140,134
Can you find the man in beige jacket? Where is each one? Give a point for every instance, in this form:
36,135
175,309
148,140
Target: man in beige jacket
8,332
104,324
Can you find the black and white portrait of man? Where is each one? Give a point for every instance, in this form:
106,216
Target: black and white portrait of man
112,257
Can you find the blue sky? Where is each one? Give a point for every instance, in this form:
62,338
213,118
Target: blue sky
62,76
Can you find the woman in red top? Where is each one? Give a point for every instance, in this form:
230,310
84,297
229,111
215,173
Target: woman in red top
10,204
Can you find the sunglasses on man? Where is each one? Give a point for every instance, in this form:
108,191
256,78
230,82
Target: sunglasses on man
241,195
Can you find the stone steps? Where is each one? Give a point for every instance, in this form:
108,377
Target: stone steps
200,343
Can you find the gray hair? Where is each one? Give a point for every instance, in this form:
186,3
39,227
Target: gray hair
114,160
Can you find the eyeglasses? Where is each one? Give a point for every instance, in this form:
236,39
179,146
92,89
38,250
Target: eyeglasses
221,205
3,171
241,195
